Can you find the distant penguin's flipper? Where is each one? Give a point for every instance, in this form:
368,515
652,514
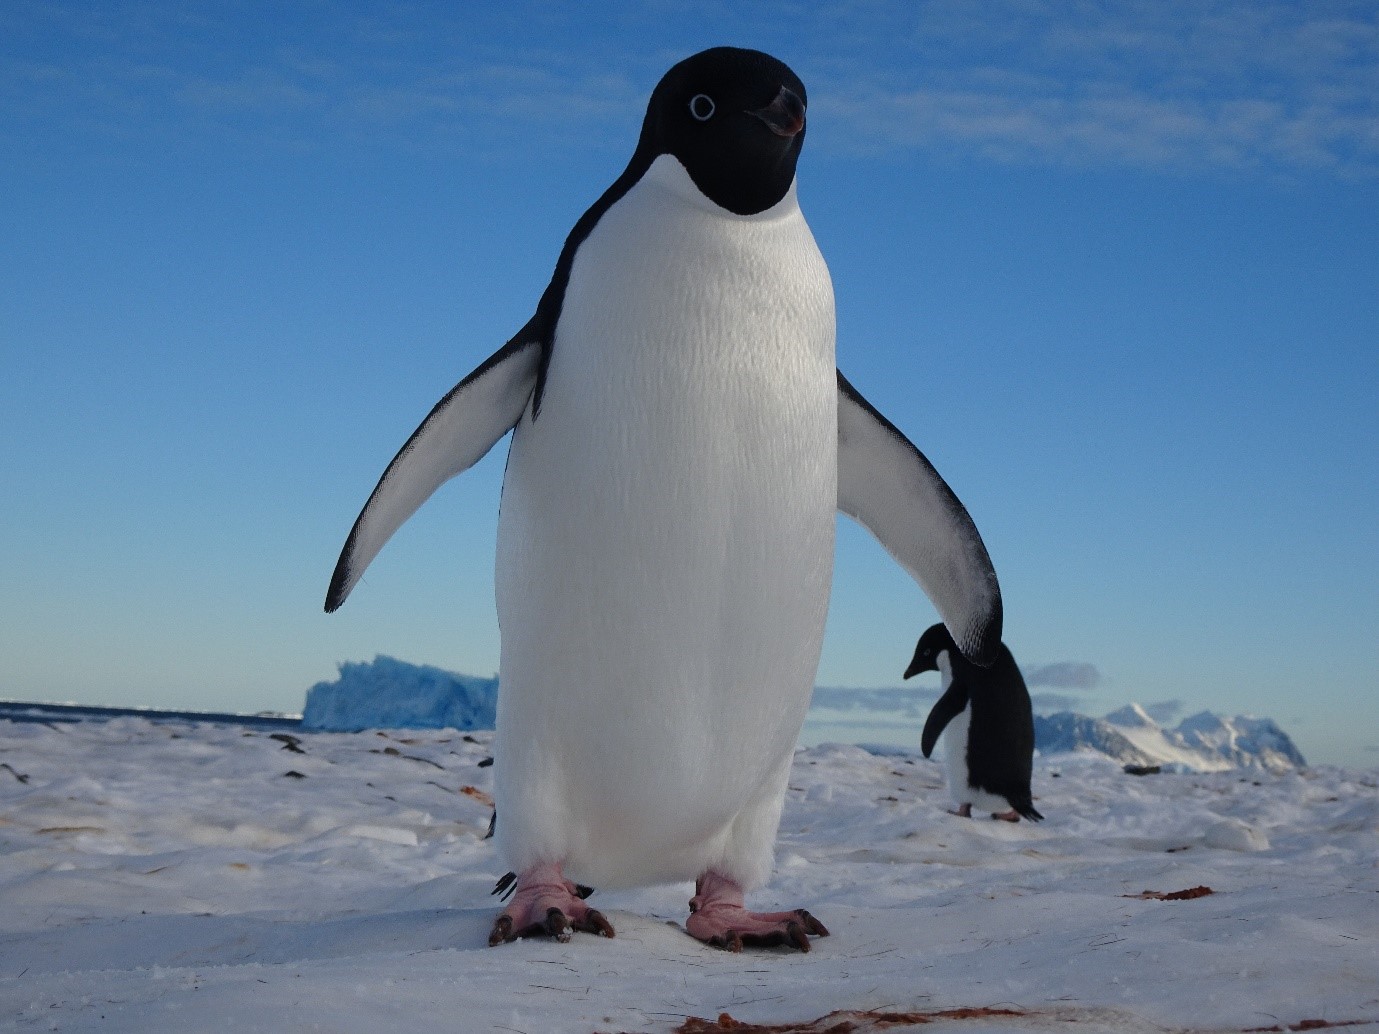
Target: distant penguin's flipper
887,486
458,432
949,706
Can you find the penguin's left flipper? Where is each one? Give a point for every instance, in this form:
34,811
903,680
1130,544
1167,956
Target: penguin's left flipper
949,706
892,490
456,434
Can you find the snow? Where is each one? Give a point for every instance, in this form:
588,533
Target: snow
162,875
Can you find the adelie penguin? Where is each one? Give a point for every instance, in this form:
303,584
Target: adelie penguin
681,440
987,725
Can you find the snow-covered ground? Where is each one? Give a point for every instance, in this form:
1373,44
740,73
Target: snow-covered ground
171,876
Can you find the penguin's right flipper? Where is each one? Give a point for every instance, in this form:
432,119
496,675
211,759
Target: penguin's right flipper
949,706
461,428
887,486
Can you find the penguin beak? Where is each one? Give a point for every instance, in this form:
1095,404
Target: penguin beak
922,661
784,116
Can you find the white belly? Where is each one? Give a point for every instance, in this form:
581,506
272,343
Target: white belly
666,544
960,787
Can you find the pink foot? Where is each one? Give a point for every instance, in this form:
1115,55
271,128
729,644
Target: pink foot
717,917
1007,816
546,904
963,811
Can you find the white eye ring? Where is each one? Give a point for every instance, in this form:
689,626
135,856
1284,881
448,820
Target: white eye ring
702,107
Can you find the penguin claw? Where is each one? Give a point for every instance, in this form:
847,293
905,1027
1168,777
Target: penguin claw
595,922
794,934
502,931
718,918
558,926
545,904
730,941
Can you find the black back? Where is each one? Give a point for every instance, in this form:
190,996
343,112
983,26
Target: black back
1000,736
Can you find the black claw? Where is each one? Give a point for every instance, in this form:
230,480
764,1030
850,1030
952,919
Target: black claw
505,886
795,934
731,941
557,925
812,925
582,892
595,922
502,930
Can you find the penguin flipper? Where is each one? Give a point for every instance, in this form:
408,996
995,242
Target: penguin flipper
462,427
892,490
949,706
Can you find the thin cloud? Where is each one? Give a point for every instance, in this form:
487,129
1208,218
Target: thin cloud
1248,85
1165,711
1178,85
911,704
1050,703
1063,675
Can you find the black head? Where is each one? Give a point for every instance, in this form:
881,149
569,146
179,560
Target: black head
735,120
934,641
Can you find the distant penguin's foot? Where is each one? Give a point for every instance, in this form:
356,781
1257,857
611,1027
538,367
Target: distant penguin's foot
962,811
1007,816
546,904
718,918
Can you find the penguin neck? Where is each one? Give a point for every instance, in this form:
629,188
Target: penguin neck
666,173
945,668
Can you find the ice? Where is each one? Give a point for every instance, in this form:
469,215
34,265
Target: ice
392,694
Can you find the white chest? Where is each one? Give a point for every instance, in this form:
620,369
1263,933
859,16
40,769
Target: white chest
694,326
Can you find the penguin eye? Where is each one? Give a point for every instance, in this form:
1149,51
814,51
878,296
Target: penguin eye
702,107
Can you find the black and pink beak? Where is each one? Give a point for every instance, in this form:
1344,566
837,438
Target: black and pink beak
784,116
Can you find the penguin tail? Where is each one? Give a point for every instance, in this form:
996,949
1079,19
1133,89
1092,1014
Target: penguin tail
1027,809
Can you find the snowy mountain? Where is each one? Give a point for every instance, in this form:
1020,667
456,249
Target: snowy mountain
391,694
1205,742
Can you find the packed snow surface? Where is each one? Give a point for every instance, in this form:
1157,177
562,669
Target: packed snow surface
192,876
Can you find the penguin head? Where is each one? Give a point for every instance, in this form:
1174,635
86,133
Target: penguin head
735,120
935,641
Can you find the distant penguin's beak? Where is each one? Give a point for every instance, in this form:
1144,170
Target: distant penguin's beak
784,116
918,664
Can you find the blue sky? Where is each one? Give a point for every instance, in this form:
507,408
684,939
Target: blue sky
1113,266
